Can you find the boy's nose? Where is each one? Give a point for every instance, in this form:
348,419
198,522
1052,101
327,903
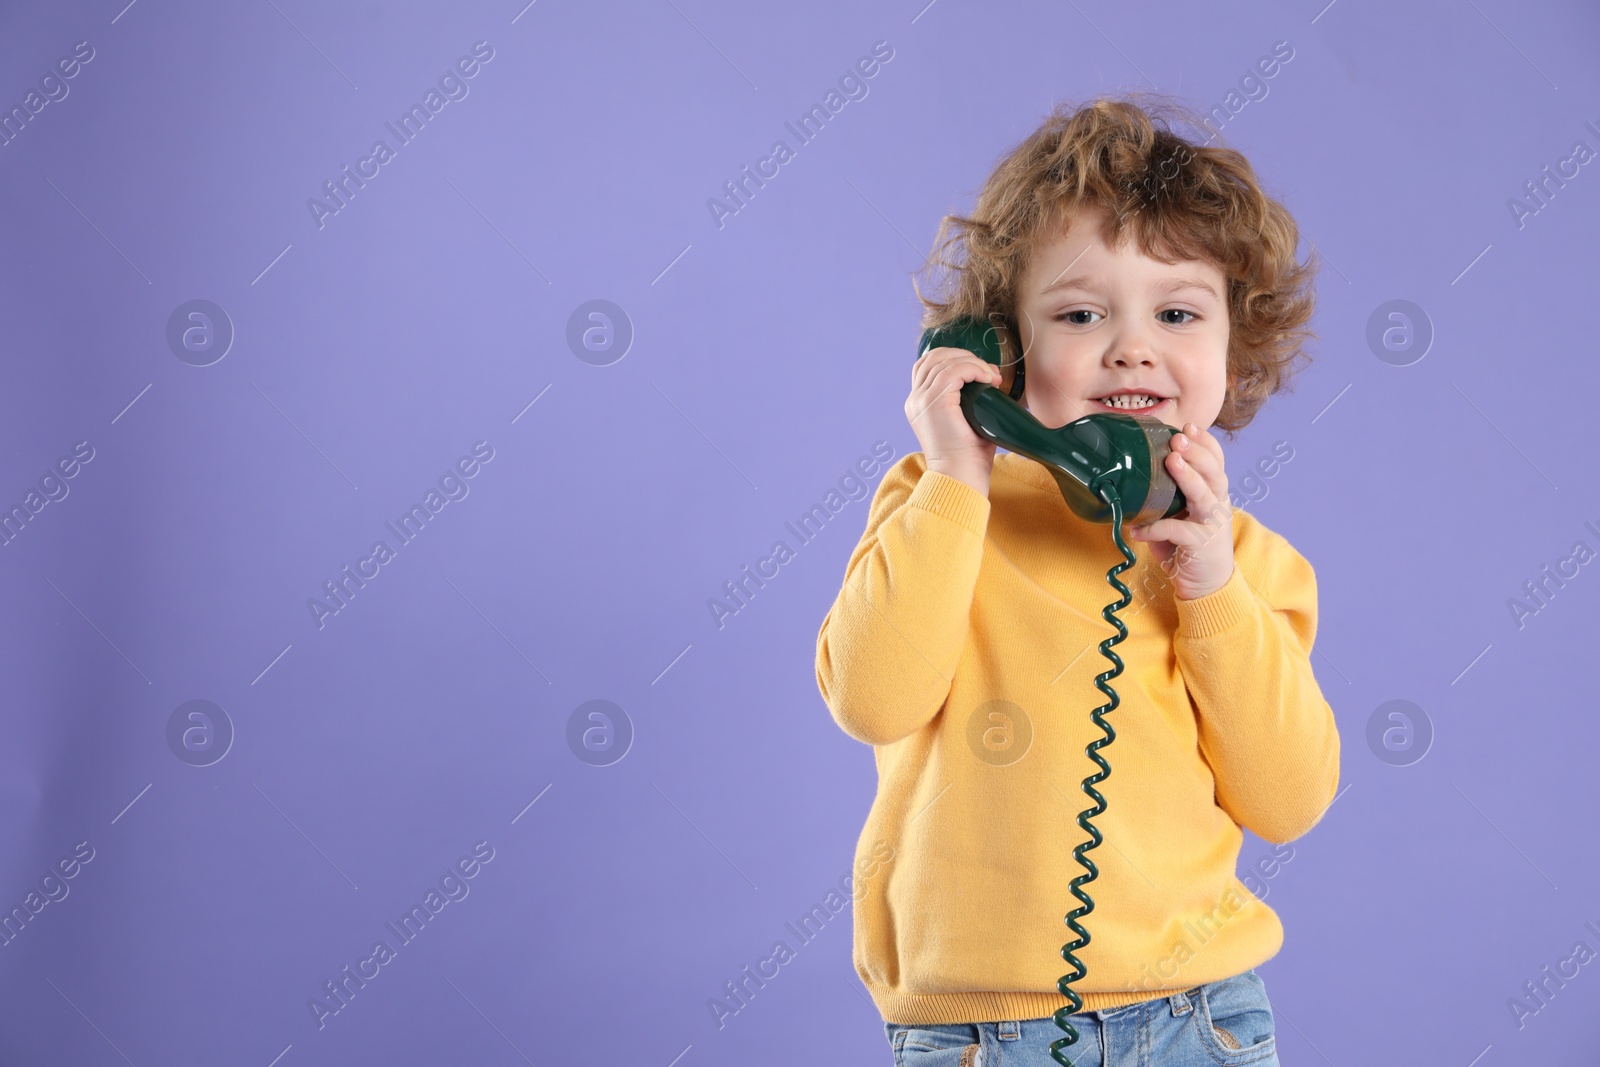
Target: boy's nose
1131,344
1131,351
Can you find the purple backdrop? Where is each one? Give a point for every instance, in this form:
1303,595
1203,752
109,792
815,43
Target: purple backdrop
524,319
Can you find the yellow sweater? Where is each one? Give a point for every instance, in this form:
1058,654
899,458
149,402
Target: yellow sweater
963,646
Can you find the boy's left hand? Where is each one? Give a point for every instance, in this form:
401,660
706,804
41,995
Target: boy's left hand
1198,541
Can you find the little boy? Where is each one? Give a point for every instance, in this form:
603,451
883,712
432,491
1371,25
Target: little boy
1141,273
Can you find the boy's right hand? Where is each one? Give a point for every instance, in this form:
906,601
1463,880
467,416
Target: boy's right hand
949,444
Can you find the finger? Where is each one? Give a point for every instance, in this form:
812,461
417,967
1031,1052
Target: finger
1187,453
1192,530
936,360
957,372
1193,534
1197,491
1161,552
1200,449
924,389
1178,531
930,363
954,367
920,400
924,366
922,371
1192,452
1206,439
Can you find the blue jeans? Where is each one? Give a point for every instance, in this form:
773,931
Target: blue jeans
1219,1024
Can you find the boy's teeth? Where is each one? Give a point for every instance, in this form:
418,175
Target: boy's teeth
1130,401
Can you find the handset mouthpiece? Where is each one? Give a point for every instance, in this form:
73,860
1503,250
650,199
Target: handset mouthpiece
1124,452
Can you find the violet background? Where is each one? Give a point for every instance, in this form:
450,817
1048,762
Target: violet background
768,356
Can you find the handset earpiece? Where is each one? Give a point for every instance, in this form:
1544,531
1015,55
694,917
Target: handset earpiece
982,339
1123,453
1019,366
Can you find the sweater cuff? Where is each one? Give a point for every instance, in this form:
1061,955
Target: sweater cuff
1216,611
952,498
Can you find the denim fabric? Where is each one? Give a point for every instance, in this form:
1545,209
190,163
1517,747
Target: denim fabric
1219,1024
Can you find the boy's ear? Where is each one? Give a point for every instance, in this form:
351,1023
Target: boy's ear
1008,357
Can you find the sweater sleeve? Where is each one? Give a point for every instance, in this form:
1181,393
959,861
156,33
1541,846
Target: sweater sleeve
888,647
1264,726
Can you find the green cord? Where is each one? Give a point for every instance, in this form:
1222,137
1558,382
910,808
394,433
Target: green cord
1103,487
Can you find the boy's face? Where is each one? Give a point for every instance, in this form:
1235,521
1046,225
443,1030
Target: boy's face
1095,321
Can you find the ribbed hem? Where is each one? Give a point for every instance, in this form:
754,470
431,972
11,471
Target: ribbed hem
1216,611
952,498
945,1008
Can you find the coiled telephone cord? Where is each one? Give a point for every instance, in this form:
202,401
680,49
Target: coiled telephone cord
1105,489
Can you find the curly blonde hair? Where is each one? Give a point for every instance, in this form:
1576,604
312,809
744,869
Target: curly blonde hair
1179,198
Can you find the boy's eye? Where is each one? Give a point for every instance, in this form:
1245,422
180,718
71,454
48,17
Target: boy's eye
1067,316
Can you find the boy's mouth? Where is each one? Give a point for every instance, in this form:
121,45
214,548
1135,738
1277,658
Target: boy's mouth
1131,402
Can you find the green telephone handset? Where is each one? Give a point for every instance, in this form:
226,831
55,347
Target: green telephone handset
1127,450
1108,466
